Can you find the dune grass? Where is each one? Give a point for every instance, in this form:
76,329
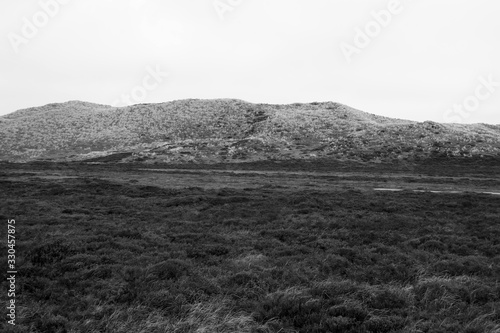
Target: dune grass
98,256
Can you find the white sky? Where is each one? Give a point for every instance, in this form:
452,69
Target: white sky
429,57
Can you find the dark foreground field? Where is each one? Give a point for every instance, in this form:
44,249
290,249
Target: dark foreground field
118,249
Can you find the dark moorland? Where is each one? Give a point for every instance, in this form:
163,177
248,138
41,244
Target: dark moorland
120,248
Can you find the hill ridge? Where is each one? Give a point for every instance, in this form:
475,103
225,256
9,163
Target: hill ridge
221,130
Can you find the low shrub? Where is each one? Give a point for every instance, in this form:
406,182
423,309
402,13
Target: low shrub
171,269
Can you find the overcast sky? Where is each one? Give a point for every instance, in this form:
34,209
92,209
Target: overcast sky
422,60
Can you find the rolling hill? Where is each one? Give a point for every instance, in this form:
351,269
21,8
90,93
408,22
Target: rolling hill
214,131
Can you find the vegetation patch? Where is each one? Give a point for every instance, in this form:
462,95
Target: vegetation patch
123,257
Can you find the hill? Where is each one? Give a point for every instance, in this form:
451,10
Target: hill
215,131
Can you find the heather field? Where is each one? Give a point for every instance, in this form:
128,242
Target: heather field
291,247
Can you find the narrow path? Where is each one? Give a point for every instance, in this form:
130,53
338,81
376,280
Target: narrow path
315,173
432,191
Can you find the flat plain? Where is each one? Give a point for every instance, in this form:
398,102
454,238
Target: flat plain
276,246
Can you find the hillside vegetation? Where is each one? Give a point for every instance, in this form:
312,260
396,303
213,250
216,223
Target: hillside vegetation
213,131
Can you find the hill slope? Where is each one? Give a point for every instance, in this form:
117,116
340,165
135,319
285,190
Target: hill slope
212,131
